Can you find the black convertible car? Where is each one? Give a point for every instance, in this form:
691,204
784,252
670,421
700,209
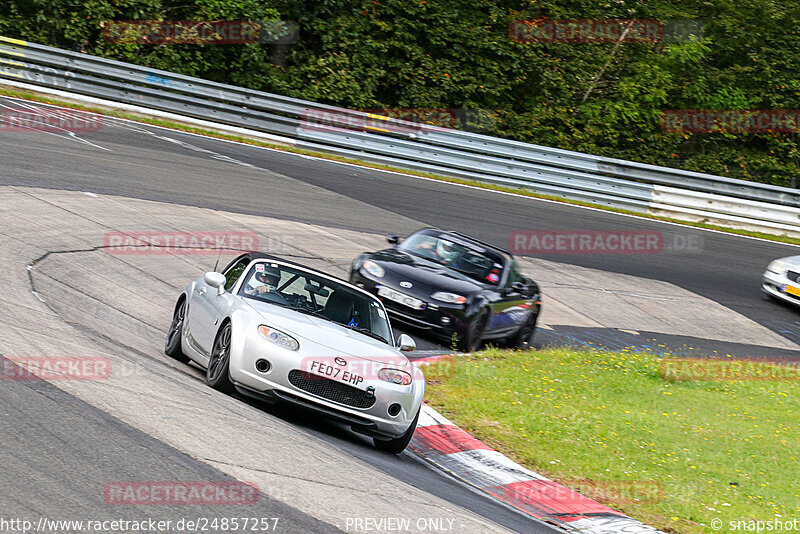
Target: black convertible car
453,286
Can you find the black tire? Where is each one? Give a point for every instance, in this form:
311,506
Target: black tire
172,347
522,337
471,339
397,445
217,373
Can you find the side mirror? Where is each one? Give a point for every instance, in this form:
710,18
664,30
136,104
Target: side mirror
405,343
216,280
519,287
393,239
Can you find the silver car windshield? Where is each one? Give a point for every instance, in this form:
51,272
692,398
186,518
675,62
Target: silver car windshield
308,293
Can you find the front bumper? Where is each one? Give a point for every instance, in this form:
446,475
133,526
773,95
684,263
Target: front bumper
274,384
773,283
439,319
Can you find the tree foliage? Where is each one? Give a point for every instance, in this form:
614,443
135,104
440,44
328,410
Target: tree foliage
458,54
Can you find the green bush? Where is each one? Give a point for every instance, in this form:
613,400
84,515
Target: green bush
458,54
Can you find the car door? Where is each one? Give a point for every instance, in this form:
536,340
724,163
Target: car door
513,306
204,308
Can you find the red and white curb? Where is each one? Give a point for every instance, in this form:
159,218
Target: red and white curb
451,449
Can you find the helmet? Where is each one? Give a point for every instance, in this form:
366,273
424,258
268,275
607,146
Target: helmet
446,250
270,276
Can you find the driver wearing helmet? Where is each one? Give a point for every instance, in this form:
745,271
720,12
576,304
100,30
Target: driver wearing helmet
266,279
446,250
439,249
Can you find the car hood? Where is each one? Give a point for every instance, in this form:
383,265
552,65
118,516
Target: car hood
426,276
792,261
320,337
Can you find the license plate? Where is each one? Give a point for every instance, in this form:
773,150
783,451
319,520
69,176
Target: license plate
396,296
791,290
326,369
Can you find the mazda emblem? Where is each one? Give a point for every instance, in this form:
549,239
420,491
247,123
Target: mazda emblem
340,361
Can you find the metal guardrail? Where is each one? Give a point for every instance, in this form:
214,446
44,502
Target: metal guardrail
389,141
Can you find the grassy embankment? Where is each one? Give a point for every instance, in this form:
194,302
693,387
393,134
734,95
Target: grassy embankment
633,433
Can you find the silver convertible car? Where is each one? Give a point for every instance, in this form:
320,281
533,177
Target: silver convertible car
782,279
280,331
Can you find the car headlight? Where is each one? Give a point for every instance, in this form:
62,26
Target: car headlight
777,266
395,376
373,268
279,338
450,298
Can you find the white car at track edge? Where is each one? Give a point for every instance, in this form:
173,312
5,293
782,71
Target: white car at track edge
781,280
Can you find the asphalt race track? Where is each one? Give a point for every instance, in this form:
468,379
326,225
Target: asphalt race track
144,163
727,269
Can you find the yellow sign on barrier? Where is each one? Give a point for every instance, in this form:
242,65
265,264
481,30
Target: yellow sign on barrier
13,41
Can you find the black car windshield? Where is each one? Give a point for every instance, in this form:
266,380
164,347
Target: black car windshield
471,259
306,292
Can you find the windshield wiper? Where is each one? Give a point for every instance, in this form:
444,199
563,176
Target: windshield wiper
424,257
368,332
362,330
315,313
259,298
474,276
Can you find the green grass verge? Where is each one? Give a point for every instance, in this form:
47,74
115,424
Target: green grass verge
629,431
40,97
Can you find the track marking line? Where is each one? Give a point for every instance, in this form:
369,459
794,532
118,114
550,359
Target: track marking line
400,173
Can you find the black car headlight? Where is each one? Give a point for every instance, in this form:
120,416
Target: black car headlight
449,298
373,269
